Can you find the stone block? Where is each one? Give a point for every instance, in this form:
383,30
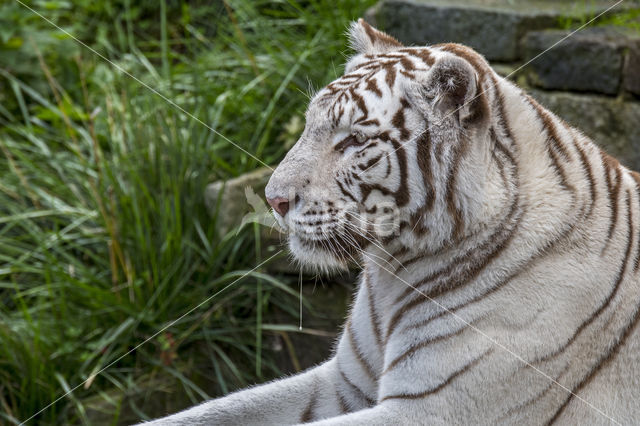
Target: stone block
228,200
631,72
611,122
492,27
590,60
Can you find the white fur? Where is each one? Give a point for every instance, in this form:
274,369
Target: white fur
555,270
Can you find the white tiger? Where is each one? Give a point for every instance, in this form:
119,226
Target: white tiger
509,292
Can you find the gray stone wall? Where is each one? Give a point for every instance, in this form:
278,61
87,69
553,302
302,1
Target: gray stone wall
591,78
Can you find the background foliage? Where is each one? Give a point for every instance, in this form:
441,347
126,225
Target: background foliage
104,236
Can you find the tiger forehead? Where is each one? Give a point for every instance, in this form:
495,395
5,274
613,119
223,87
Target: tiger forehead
372,73
405,61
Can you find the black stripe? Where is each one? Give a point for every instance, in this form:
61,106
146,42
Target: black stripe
307,414
636,177
342,403
402,194
602,362
345,192
373,314
355,389
472,266
390,76
502,114
456,214
424,163
423,344
552,144
421,53
442,385
586,166
610,164
362,360
372,86
535,398
610,296
369,163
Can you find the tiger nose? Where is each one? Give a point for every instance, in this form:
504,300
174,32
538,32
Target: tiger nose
279,204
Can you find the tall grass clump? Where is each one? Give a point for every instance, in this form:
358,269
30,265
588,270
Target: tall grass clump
104,236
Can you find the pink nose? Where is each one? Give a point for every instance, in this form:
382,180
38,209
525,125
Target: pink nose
279,204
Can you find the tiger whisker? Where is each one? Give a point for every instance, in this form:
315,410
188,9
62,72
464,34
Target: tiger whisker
377,245
374,243
355,243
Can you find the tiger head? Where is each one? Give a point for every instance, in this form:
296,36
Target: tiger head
386,154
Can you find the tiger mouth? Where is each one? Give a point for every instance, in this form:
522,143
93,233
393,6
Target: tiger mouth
345,248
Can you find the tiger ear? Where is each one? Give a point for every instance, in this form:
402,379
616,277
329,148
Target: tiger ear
454,90
363,38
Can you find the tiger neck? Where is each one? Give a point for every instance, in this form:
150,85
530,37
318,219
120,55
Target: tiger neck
487,197
519,189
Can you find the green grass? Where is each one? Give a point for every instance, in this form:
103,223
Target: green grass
104,236
629,19
582,12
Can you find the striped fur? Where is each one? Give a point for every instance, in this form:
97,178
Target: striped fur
504,288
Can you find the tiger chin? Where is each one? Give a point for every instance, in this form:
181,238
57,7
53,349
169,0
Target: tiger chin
505,290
